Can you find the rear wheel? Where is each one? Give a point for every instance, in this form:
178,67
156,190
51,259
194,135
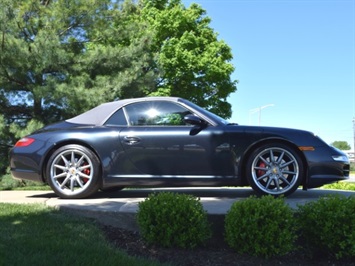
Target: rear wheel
73,171
274,169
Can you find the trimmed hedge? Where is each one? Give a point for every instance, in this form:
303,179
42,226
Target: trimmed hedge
173,220
264,227
260,227
327,226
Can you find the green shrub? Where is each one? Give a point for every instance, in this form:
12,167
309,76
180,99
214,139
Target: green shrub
327,226
352,167
9,183
342,185
173,220
260,227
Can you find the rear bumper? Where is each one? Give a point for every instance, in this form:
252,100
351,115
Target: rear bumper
26,175
25,168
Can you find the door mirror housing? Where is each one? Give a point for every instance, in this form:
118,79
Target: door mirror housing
194,120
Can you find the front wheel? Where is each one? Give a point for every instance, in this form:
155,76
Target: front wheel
73,172
274,169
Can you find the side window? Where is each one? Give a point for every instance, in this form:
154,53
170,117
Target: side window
156,113
117,119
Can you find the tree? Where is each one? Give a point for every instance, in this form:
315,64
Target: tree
59,58
4,146
191,61
341,145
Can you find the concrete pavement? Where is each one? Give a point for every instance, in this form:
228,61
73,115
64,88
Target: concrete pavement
119,208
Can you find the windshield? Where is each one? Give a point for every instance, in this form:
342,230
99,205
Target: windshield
213,116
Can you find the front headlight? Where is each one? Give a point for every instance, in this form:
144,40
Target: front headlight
340,158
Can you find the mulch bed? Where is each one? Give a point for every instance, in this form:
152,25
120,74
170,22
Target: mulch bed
215,253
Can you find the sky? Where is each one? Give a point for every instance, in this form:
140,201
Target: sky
294,60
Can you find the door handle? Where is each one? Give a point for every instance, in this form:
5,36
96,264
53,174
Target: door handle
130,140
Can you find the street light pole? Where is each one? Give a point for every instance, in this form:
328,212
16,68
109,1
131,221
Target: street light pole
258,109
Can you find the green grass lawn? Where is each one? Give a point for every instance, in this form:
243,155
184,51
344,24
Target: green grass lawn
33,234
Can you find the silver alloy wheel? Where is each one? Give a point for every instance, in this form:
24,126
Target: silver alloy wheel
71,172
275,171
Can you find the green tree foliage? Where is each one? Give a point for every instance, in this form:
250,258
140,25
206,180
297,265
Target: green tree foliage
341,145
4,146
59,58
191,61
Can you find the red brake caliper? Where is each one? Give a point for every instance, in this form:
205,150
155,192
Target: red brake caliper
86,172
261,172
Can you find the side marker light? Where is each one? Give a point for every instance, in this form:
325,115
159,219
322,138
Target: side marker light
306,148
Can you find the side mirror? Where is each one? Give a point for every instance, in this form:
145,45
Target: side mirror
193,120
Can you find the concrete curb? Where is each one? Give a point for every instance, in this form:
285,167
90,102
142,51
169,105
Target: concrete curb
119,208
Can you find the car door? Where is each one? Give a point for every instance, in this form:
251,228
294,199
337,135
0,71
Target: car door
159,143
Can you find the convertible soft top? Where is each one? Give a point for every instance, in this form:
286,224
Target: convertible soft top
98,115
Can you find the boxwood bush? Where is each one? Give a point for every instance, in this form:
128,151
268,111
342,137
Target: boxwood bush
327,226
260,227
173,220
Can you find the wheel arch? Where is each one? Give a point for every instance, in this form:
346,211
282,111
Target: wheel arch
251,148
64,143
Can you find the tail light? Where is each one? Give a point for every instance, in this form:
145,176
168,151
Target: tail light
24,142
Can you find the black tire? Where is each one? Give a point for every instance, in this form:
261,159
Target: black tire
73,172
274,169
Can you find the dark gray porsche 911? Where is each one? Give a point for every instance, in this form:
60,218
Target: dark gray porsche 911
166,141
